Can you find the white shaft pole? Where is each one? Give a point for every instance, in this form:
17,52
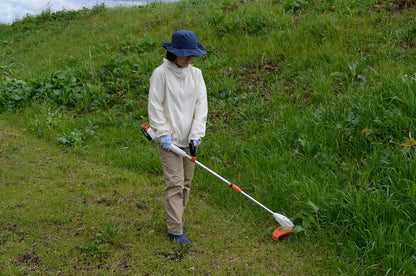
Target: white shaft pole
182,153
258,203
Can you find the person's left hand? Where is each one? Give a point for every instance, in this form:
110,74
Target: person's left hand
196,142
193,147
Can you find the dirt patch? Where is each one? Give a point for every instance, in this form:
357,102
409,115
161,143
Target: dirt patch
398,5
255,76
11,231
405,4
237,6
28,259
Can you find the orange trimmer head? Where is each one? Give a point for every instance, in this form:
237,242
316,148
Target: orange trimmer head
280,232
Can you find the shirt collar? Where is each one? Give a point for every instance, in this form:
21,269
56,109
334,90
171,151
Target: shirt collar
175,69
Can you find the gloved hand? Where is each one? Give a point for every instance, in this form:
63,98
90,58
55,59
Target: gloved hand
193,146
166,142
196,142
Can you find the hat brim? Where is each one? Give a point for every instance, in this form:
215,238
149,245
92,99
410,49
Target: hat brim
199,51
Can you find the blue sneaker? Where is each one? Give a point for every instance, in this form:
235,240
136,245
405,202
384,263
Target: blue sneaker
181,239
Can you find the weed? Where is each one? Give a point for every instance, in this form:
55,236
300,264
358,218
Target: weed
136,45
100,247
75,137
96,249
14,94
308,219
294,5
110,234
249,21
177,253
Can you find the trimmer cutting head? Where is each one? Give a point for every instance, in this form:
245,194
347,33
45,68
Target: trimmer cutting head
278,232
284,222
286,227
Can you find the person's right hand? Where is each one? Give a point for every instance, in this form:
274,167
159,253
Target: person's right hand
166,142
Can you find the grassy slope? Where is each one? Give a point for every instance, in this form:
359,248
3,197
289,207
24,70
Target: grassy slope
315,91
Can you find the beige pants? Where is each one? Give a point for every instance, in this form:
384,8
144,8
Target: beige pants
178,172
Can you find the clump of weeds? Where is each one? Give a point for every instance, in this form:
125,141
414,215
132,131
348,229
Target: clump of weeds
177,253
104,241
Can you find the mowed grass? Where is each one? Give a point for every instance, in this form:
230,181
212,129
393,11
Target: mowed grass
61,214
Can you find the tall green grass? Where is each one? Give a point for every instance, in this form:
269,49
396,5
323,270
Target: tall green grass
312,107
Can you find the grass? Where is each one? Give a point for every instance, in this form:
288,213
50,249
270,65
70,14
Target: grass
311,111
63,214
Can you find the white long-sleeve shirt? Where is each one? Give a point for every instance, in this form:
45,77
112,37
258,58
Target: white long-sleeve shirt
177,103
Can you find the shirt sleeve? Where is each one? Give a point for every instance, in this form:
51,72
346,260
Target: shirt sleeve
156,109
200,111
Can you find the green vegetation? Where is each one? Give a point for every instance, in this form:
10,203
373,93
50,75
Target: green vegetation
312,112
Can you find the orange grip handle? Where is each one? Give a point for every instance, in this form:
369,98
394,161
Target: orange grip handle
235,188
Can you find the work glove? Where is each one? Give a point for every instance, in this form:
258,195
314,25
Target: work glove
193,146
196,142
166,142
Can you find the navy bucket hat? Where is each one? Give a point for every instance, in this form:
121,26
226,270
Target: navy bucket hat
184,44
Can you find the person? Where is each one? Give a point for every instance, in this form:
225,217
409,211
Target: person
177,108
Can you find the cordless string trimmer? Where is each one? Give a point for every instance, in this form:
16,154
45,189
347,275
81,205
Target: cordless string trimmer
286,225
